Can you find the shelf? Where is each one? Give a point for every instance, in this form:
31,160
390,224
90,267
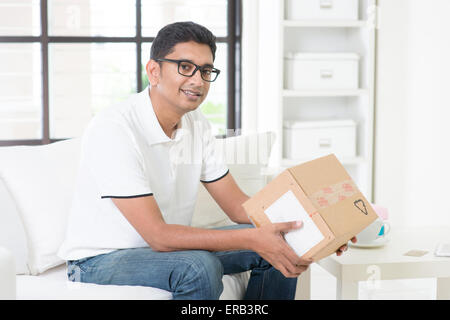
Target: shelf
345,161
324,93
313,36
325,23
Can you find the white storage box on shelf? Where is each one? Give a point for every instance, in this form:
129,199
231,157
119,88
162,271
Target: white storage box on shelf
322,9
321,71
304,140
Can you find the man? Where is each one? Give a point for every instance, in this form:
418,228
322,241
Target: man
129,223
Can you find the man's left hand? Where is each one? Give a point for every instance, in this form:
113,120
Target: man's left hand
344,248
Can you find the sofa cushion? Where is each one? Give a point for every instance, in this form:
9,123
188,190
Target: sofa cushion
7,275
12,233
246,156
41,180
53,285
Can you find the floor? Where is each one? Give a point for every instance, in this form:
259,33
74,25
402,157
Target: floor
323,287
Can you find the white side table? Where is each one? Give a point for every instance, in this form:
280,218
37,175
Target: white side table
389,262
7,275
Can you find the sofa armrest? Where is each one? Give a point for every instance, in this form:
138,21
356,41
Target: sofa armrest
7,275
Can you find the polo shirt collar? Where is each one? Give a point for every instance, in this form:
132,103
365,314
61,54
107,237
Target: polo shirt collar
149,123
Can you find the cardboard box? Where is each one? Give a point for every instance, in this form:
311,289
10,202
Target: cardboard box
321,194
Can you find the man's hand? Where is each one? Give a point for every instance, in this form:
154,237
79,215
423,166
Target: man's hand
271,245
344,247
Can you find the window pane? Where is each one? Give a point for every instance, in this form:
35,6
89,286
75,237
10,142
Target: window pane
145,56
86,78
158,13
92,18
215,105
20,91
20,18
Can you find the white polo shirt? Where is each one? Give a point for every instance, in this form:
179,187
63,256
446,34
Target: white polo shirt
125,153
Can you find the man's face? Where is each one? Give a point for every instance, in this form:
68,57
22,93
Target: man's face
184,93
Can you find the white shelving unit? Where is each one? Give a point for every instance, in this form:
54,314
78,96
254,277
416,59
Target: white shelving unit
330,36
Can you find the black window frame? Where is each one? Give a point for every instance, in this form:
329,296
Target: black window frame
232,39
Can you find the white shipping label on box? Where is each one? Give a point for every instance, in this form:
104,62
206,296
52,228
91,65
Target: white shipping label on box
288,208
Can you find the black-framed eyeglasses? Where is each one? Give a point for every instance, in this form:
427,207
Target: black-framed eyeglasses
188,69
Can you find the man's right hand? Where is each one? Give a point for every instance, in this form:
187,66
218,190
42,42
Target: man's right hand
272,247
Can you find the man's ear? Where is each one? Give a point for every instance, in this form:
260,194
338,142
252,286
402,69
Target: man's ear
153,72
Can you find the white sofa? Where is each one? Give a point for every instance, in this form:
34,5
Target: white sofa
36,184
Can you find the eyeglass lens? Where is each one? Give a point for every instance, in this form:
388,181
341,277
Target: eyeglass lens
187,69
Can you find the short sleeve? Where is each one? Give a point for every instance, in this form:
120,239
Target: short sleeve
213,159
113,158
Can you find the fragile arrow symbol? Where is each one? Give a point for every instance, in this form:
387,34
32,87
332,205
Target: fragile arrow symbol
361,206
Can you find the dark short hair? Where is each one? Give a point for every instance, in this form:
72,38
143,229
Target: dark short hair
179,32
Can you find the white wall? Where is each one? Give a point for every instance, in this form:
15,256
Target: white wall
412,154
261,73
250,41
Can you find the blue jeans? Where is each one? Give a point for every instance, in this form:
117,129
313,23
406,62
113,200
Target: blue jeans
189,274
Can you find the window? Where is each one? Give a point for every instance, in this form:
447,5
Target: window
62,61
